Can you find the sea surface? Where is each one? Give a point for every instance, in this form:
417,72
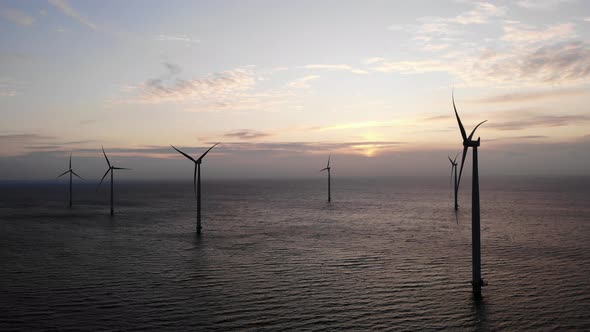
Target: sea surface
386,254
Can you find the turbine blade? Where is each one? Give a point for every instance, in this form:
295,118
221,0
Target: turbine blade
184,154
62,174
70,160
81,178
451,181
128,169
324,169
463,134
104,176
105,157
330,155
201,157
450,160
455,160
462,162
474,129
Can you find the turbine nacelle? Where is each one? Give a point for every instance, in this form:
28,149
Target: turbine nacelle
467,140
111,168
471,143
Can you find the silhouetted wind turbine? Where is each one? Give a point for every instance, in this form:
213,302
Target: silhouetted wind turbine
112,170
197,181
71,171
328,169
454,168
477,282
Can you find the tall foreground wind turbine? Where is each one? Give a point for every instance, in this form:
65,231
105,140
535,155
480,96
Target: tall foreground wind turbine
197,181
71,171
454,168
112,170
477,282
328,169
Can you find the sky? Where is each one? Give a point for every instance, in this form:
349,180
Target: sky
283,84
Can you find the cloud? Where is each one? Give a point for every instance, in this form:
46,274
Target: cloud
516,32
246,134
17,16
546,65
66,9
538,120
482,13
409,67
23,138
177,38
542,4
15,144
366,148
7,93
438,118
336,67
530,96
8,87
512,139
235,89
302,83
354,125
218,87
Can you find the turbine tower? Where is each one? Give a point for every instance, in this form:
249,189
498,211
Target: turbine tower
71,171
454,168
112,170
476,281
197,181
328,169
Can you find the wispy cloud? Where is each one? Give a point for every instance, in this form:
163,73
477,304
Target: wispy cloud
17,16
177,38
530,96
66,9
409,67
366,148
511,139
481,13
219,87
517,32
247,134
7,87
543,65
542,4
538,120
336,67
15,144
354,125
235,89
302,83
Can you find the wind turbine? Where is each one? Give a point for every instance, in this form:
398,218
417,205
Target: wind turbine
112,170
454,168
71,171
328,169
477,282
197,181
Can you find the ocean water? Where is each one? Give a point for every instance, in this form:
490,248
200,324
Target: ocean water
386,254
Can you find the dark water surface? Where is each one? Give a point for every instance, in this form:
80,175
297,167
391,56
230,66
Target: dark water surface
385,255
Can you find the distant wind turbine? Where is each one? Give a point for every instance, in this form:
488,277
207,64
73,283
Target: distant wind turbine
71,171
112,170
328,169
477,282
197,181
454,168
